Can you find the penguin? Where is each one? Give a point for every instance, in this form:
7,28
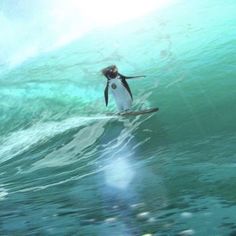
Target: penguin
119,87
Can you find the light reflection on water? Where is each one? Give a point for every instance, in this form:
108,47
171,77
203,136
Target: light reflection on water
119,173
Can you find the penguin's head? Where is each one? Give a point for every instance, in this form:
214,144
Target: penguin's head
110,72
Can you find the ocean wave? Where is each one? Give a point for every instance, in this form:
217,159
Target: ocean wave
21,140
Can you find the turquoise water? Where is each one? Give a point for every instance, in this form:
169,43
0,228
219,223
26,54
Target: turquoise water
66,168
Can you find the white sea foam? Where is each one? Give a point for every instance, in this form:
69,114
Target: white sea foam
187,232
67,154
186,215
22,140
3,193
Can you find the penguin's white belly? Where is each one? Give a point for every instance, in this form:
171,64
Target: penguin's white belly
121,95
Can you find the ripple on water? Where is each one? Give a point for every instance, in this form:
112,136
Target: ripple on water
3,193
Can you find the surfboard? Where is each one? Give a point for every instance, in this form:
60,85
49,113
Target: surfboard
141,112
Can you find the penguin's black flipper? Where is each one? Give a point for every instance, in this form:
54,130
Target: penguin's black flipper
131,77
106,94
125,84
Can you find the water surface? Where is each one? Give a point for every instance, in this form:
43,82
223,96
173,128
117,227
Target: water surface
66,168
